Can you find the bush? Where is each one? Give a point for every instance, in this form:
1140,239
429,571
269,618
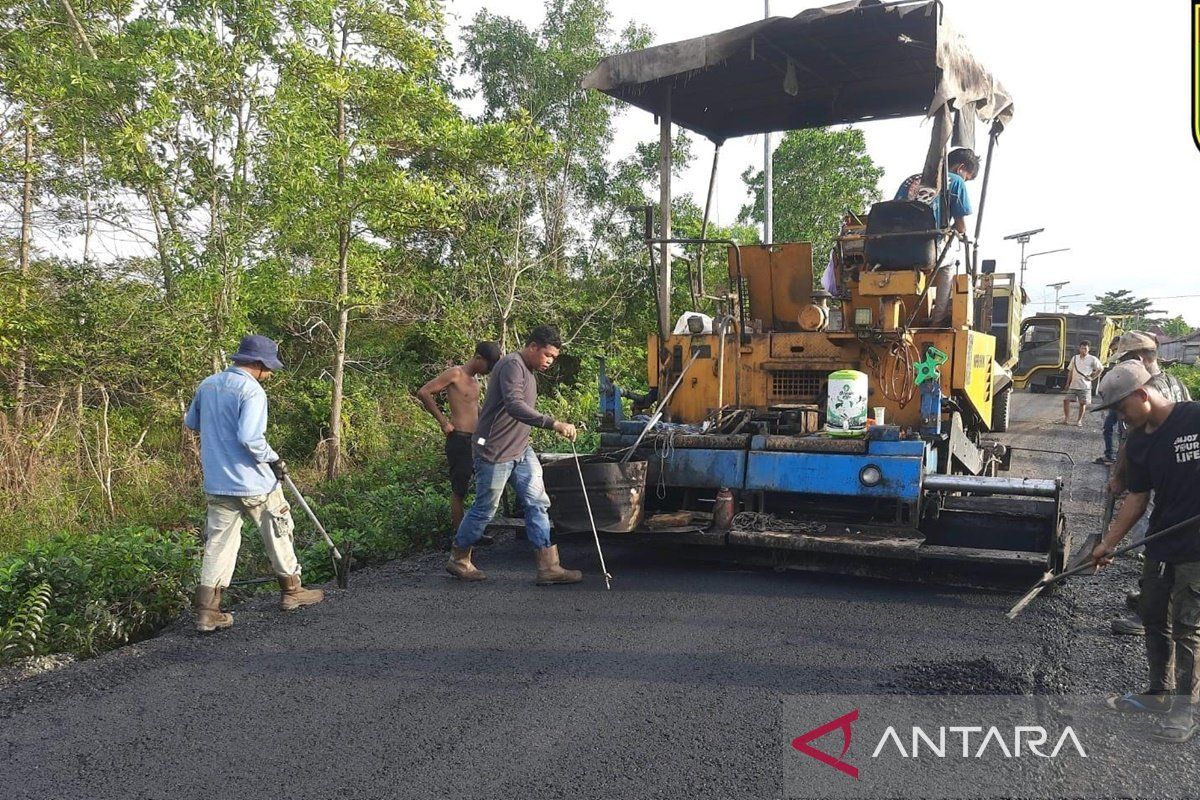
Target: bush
85,593
1190,375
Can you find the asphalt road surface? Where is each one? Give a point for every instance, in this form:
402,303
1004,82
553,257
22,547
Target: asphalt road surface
686,680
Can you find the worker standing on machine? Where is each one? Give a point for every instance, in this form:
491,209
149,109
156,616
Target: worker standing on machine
1163,456
963,166
502,452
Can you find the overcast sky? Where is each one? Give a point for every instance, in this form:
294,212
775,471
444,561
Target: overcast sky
1099,153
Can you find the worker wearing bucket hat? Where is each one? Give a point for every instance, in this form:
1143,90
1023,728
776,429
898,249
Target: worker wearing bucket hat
1163,456
242,477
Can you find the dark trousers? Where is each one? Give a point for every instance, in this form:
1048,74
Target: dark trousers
1110,425
1170,609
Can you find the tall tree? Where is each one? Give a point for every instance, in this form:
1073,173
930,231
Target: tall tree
535,75
818,173
363,147
1124,302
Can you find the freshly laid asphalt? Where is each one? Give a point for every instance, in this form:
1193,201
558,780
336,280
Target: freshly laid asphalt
676,683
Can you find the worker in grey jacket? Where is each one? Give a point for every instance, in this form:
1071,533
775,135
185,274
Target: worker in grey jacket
502,453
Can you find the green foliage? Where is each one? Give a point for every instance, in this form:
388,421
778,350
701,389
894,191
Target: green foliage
1124,302
20,635
105,589
1190,375
818,173
1176,326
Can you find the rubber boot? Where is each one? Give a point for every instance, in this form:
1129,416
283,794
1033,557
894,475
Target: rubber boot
1129,626
206,610
550,571
292,595
460,565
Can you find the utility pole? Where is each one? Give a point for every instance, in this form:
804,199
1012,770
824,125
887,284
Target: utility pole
1057,287
768,175
1023,238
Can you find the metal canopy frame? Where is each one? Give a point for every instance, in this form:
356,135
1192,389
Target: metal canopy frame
852,62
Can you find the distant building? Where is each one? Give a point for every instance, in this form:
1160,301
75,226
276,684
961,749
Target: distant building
1184,350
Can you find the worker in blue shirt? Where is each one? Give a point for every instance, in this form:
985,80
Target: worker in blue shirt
963,166
242,477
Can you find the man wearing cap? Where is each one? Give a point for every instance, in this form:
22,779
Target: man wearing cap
242,477
1140,346
1163,457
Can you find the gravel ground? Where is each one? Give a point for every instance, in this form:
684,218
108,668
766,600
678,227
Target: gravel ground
681,682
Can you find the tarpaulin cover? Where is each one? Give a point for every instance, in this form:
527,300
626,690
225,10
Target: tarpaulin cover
844,63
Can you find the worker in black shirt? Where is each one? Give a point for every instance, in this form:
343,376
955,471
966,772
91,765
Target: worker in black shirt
1163,453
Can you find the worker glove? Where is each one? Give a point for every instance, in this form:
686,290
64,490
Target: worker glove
279,467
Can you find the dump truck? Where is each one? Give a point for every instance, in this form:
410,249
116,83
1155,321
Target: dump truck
758,385
1049,340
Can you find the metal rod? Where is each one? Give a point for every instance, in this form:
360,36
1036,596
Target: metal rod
1047,581
712,182
978,484
591,519
983,190
287,479
768,172
664,213
662,404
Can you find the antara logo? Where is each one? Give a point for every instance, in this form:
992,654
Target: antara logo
843,723
940,742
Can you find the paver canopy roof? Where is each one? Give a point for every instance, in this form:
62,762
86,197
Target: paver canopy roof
844,63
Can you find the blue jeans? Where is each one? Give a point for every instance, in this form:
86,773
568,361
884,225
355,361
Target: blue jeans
490,480
1110,425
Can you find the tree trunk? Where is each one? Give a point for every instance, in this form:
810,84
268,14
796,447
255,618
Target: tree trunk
23,292
343,293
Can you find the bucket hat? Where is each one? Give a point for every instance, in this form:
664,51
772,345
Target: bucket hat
258,348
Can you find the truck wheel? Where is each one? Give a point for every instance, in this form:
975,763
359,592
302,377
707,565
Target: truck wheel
1000,407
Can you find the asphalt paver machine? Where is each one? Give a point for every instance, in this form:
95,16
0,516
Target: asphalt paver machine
764,389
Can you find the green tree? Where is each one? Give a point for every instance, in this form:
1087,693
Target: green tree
364,147
818,173
1124,302
1176,326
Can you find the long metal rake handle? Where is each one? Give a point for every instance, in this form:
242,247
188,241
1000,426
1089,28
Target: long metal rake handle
591,519
662,405
1029,596
287,479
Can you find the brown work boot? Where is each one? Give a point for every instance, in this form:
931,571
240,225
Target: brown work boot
206,610
550,571
461,567
292,595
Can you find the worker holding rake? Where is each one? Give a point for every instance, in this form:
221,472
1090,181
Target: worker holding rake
242,476
1163,458
502,453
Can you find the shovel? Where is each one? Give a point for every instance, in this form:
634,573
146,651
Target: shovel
341,564
1049,580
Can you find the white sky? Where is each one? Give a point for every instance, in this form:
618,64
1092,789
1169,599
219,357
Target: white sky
1099,152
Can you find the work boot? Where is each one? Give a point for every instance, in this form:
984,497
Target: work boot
1133,599
292,595
206,610
460,565
1129,626
550,571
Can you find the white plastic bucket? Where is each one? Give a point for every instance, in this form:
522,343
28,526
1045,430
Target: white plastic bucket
846,409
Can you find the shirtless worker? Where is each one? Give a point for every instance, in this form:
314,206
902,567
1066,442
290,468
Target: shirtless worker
461,385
